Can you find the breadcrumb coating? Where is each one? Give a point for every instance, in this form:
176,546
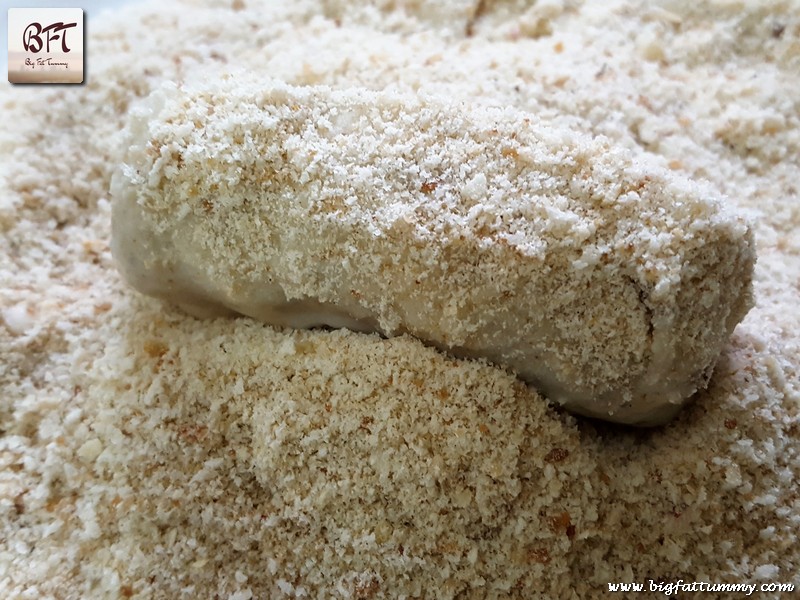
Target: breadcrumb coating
608,282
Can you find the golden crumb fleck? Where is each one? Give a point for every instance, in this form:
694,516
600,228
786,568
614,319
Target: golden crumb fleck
539,556
557,455
155,348
428,186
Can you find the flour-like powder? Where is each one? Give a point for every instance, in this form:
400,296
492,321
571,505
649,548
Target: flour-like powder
145,453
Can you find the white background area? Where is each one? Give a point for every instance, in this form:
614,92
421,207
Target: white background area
91,9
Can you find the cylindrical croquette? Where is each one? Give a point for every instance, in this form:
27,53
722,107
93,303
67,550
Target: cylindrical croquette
605,280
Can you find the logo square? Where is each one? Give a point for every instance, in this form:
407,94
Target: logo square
45,45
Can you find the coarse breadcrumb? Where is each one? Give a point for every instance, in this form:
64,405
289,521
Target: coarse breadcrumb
147,454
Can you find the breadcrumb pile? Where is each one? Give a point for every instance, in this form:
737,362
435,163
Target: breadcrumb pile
149,454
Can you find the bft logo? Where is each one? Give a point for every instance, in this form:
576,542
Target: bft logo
32,36
45,45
